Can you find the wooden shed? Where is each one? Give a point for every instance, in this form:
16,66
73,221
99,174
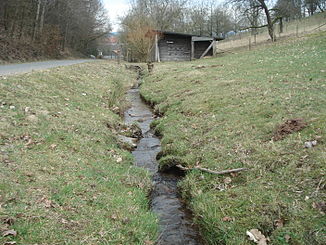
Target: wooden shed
171,46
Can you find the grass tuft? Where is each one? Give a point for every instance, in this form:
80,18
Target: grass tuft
222,113
63,177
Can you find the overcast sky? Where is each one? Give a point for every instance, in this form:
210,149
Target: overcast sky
115,9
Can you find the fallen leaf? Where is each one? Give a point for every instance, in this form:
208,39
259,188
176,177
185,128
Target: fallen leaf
287,238
64,221
9,221
126,220
234,174
10,243
256,236
29,142
114,217
53,146
227,180
47,203
148,242
9,233
227,219
279,223
321,206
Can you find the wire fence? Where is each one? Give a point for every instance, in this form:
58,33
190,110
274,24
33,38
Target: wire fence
250,39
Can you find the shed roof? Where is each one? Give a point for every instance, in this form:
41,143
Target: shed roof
194,37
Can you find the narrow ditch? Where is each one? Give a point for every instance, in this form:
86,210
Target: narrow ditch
175,220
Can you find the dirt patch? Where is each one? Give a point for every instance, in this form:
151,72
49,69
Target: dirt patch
289,127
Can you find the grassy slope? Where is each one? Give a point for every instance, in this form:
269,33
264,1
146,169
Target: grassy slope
221,113
63,178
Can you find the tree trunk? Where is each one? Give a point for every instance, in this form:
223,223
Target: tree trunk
65,38
281,25
270,25
14,24
5,17
21,30
42,18
36,19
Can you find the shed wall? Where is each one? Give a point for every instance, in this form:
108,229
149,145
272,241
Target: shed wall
175,48
200,48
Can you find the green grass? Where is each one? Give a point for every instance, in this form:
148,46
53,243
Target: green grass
64,179
221,113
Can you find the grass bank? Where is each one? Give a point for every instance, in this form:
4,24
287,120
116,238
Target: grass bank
64,179
234,111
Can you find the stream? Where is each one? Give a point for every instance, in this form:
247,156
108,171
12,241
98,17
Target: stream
175,220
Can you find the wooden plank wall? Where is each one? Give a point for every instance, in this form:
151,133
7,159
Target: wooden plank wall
200,47
175,48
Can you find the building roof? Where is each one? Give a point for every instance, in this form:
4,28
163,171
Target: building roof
195,37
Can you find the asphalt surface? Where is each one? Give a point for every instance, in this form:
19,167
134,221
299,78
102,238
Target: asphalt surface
27,67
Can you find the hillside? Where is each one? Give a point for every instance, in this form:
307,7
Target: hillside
256,110
64,176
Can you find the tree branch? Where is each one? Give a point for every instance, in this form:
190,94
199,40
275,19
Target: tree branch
253,27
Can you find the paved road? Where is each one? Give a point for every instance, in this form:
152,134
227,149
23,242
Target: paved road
26,67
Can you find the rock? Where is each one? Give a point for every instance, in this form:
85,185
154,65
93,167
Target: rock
128,140
310,144
12,107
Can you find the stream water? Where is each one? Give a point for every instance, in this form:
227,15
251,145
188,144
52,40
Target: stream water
175,221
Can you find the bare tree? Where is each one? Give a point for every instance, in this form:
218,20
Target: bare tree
138,35
53,25
262,5
289,9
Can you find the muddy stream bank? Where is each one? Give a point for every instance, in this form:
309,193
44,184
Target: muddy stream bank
175,220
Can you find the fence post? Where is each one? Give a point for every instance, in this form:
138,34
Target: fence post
249,42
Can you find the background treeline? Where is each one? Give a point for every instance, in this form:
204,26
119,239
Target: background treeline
206,17
52,27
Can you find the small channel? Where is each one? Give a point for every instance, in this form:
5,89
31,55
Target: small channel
175,221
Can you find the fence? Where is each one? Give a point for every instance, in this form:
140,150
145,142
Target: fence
248,39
